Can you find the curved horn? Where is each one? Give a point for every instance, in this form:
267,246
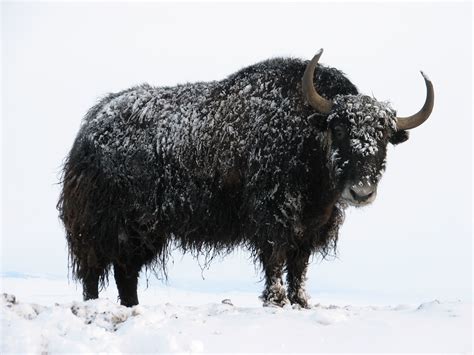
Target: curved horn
422,115
309,91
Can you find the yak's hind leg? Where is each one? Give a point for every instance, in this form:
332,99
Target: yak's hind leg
296,266
126,278
90,285
90,269
272,261
136,250
127,268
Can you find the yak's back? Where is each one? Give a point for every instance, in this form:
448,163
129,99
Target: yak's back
204,128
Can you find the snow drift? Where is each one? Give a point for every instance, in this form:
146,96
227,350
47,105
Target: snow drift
104,326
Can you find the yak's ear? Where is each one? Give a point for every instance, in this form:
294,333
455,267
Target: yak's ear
399,137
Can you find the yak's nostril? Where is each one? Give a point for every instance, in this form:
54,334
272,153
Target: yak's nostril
361,194
353,194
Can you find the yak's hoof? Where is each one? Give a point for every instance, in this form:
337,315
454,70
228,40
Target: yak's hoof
300,299
274,304
88,296
129,302
274,299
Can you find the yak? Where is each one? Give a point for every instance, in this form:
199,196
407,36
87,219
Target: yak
266,159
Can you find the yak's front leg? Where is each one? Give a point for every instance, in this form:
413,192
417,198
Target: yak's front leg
296,267
320,238
272,262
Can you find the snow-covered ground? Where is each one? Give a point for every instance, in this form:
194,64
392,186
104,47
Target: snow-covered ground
46,315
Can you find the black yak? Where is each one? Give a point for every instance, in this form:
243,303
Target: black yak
266,159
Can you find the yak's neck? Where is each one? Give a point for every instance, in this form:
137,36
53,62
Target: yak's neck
324,186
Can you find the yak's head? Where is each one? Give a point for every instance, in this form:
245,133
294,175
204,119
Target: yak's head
357,131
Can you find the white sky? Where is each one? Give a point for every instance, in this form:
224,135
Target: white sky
57,59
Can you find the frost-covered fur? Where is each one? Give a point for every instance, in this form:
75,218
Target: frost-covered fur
212,166
366,125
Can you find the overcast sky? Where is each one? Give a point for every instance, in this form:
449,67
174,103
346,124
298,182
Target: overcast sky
58,59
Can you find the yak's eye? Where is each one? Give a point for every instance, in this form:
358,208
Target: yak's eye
339,132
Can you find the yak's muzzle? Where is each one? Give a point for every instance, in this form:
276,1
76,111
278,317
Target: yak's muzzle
359,194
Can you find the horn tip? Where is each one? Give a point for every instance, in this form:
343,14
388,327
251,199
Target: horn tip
321,50
425,76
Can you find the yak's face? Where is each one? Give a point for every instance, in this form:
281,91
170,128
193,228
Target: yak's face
358,129
358,132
